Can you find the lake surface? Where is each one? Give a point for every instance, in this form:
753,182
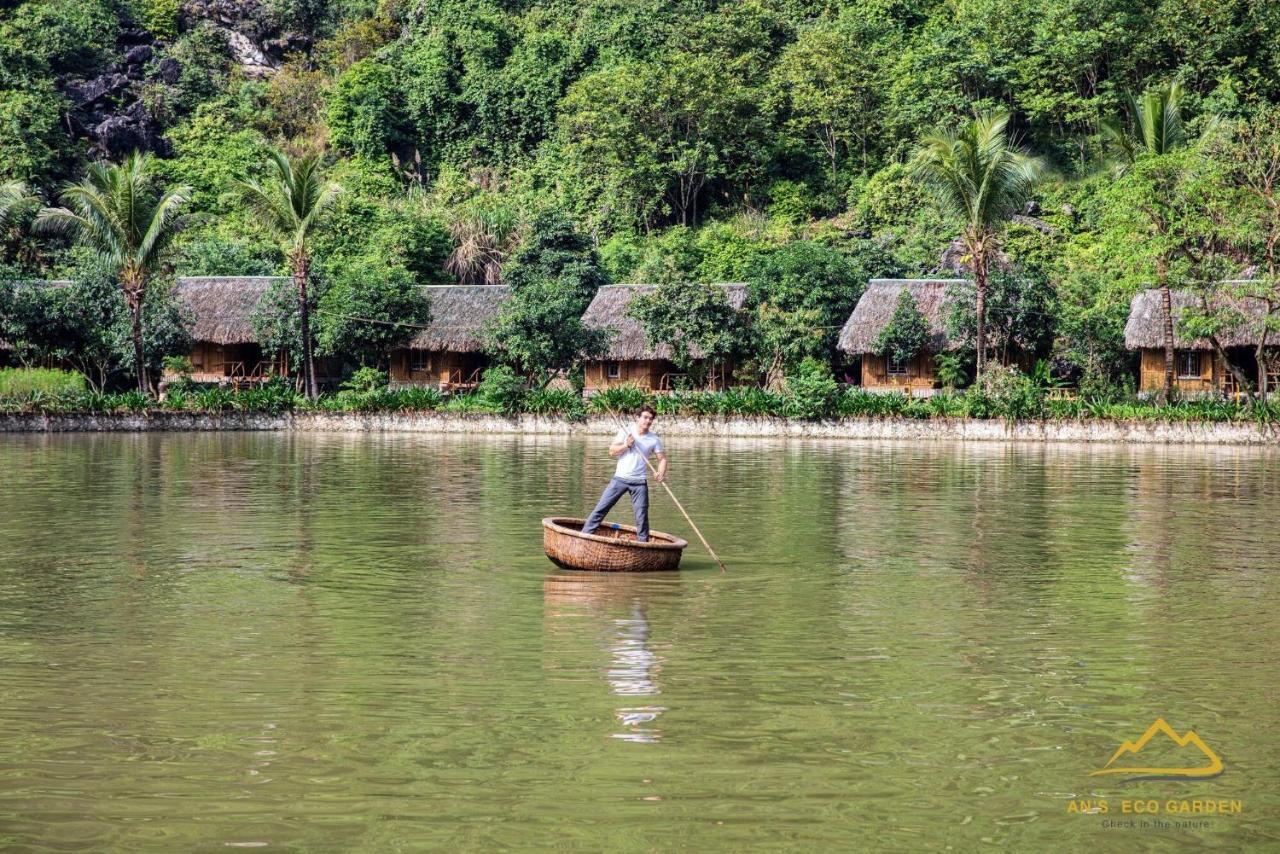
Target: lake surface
352,642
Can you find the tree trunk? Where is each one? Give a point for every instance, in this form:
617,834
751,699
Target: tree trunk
301,265
1260,355
1166,301
1220,353
979,254
133,294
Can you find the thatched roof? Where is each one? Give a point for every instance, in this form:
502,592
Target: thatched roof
1145,327
38,283
220,308
876,307
608,310
458,317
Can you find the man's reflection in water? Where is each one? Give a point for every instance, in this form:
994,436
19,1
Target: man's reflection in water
634,670
620,604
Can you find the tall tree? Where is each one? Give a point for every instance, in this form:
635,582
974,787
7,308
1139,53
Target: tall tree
1155,129
120,215
979,175
553,278
290,203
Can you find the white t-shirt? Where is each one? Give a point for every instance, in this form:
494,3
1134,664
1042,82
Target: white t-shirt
631,465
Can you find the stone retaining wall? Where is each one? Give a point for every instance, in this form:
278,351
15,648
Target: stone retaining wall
946,429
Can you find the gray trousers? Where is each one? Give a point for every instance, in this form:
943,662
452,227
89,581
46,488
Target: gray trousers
639,505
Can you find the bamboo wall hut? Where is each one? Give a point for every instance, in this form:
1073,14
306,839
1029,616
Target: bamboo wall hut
872,315
1196,368
629,359
225,349
448,354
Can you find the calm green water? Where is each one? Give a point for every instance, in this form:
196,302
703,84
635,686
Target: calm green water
350,642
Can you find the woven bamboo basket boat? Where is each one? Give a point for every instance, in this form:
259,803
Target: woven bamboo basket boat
612,548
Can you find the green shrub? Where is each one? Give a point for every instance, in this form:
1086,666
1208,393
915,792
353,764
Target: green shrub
418,398
502,390
751,400
555,401
213,399
365,379
811,391
159,17
469,404
857,402
24,382
951,370
618,399
1005,392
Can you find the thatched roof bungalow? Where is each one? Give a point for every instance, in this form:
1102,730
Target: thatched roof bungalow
872,315
219,312
448,353
629,358
1196,368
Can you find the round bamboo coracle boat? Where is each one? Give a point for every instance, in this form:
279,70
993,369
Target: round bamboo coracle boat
612,548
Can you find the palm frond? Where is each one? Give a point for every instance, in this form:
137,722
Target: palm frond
291,201
161,229
115,211
976,172
15,198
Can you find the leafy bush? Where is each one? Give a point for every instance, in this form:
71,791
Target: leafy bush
364,380
811,391
555,401
752,400
502,390
418,398
619,399
907,331
213,399
469,404
951,370
1006,392
25,382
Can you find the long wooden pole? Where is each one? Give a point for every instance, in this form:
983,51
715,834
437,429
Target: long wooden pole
687,518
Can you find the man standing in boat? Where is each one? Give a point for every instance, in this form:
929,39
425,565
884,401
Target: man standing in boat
632,448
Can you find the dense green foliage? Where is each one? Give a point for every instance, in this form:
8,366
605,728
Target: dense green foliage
703,329
809,394
697,141
906,333
552,278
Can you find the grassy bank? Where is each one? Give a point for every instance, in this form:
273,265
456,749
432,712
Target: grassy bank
798,403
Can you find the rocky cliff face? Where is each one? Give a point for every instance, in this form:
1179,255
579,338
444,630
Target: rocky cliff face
109,109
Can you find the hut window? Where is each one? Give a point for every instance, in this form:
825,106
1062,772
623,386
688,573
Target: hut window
1188,364
895,367
419,360
612,370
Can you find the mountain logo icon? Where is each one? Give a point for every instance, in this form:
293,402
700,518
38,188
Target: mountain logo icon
1210,765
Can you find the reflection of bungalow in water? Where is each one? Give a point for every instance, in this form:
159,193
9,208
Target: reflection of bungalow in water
629,359
220,309
1196,369
871,316
449,352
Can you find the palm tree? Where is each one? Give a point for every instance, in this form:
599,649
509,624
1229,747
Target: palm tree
979,175
1156,130
290,203
14,199
117,213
